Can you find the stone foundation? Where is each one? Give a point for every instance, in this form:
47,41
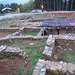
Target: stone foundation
50,67
11,51
54,68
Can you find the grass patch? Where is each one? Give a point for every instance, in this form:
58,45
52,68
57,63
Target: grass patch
36,57
69,57
25,47
29,51
20,61
8,24
32,33
32,21
42,40
22,71
36,54
15,26
1,14
17,42
29,24
14,13
31,70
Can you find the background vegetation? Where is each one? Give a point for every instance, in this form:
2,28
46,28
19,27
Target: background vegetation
49,5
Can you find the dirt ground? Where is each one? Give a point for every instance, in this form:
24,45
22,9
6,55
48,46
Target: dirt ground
11,66
8,66
4,34
65,50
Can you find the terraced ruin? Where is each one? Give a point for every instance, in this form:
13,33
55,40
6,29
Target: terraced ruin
26,48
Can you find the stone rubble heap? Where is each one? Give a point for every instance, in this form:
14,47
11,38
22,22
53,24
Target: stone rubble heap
12,51
57,68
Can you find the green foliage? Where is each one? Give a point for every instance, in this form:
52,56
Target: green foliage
69,57
12,57
15,26
14,13
20,61
29,51
35,58
8,24
29,5
42,40
22,71
38,4
40,45
25,47
17,42
36,53
31,70
32,21
29,24
32,33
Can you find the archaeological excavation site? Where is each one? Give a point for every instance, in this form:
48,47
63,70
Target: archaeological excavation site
38,44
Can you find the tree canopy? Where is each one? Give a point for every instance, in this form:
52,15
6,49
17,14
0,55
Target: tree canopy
49,5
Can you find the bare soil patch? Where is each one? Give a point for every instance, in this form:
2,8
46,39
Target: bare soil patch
4,34
19,66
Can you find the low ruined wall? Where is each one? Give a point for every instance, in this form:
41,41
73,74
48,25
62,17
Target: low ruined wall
53,68
10,39
9,30
68,15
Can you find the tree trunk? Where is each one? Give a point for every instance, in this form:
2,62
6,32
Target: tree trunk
71,4
67,5
54,5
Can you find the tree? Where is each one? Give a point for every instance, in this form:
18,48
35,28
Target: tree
1,7
71,5
29,5
14,6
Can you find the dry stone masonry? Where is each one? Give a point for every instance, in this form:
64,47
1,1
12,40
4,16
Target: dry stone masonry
15,51
50,67
49,46
54,68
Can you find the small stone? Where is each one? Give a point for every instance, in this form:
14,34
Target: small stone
31,44
52,68
36,72
43,73
61,62
25,55
43,69
71,67
56,57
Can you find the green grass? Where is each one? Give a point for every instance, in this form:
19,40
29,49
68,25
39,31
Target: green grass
1,14
36,53
25,47
17,42
69,57
32,33
14,13
15,26
42,40
20,61
29,24
8,24
32,21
